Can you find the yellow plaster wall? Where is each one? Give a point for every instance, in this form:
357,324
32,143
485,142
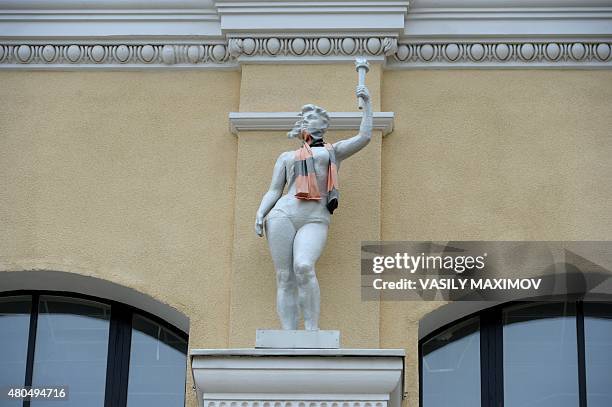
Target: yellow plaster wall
492,155
126,176
133,177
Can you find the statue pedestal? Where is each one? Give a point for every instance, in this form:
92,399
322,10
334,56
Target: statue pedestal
299,339
281,377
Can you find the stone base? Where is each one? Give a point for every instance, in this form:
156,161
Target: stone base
299,339
295,377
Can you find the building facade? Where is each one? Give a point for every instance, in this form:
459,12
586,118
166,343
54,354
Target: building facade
137,138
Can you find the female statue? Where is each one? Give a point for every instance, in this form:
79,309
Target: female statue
296,224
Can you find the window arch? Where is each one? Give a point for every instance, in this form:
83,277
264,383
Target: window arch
108,354
536,354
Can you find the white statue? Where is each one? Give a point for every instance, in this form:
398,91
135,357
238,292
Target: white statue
296,224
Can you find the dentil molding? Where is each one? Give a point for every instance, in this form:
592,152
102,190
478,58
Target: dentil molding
322,47
123,55
115,55
225,34
502,53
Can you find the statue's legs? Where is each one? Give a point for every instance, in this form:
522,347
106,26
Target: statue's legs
280,233
307,248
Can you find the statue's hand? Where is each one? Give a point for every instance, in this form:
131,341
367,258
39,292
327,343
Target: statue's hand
259,226
362,92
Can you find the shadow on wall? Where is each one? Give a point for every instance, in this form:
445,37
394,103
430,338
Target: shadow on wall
76,283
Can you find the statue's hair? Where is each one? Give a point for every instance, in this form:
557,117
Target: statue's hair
313,119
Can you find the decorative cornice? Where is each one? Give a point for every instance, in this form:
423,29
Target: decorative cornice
514,19
312,16
192,54
505,54
284,121
106,19
115,55
217,55
224,34
332,47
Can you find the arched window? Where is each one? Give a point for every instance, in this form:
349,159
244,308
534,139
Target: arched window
552,354
105,353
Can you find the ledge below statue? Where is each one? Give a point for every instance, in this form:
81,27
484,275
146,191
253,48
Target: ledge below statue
295,377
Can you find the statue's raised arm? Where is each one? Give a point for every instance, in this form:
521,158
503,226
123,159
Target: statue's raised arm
348,147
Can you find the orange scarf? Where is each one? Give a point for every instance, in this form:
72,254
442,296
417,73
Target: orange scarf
306,180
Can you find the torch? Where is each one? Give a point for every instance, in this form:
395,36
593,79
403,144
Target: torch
362,67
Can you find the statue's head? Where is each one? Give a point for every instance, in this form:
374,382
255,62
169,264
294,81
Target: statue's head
313,121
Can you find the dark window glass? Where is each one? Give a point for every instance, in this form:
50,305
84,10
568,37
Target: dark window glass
14,329
158,365
598,354
71,350
540,356
451,367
